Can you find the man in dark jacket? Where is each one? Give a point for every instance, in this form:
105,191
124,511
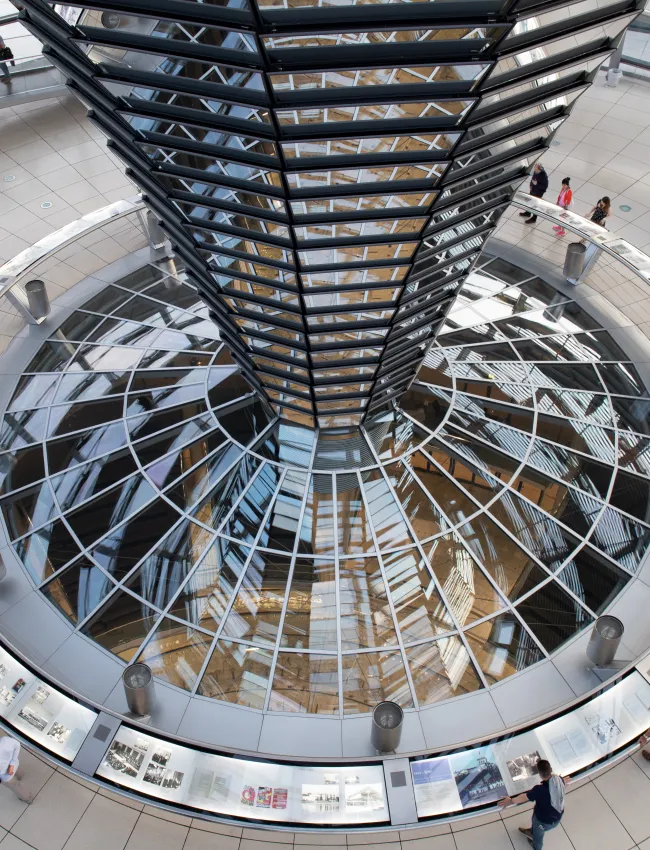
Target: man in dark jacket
548,797
538,186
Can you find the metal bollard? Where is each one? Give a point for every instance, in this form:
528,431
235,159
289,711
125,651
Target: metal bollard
37,297
386,731
605,637
138,688
157,237
574,261
3,568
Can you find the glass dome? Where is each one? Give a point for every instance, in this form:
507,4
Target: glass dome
168,514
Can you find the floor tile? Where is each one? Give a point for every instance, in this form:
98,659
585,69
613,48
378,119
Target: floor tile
155,834
591,824
425,831
556,839
105,825
50,820
249,844
438,842
220,828
198,840
276,836
492,835
627,791
10,842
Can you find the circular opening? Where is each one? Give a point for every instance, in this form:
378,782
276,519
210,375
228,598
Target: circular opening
388,715
34,286
137,676
9,178
46,205
609,627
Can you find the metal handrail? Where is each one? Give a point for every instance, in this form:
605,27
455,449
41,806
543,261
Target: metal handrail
13,271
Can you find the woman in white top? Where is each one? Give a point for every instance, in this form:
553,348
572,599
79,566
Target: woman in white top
9,752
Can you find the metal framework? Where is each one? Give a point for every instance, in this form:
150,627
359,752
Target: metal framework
329,170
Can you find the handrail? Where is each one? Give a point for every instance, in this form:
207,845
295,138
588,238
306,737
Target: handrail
18,267
620,249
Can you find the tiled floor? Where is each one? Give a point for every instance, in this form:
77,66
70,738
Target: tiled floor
610,812
604,147
51,154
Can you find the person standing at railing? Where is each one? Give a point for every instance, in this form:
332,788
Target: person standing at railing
9,776
564,201
537,188
601,211
6,56
548,797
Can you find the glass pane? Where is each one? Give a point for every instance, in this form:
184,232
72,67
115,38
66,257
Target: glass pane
387,520
354,533
419,608
78,590
317,538
502,647
442,670
206,594
467,590
366,619
176,653
305,683
257,608
121,625
45,551
593,580
553,616
237,673
310,619
371,677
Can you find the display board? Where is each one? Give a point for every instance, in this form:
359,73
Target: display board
571,743
241,788
40,712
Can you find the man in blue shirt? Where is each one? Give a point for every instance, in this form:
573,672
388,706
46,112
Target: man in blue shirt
548,797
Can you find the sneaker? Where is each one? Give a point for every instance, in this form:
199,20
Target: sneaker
530,221
556,227
527,832
645,754
524,213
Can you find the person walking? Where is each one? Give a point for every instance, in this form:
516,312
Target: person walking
601,211
537,188
9,776
6,56
564,200
548,797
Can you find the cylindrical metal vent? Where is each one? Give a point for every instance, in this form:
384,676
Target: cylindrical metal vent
138,688
3,568
605,638
574,261
386,732
39,302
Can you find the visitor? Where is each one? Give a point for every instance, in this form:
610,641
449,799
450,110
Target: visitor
548,797
9,775
601,211
564,200
5,56
537,188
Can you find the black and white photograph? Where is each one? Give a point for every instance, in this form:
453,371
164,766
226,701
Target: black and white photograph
368,797
33,719
41,695
477,777
210,785
523,767
6,696
172,779
59,732
320,798
3,670
154,774
124,759
161,757
606,731
331,778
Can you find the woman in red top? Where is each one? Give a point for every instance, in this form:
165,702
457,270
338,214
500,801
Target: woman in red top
564,201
